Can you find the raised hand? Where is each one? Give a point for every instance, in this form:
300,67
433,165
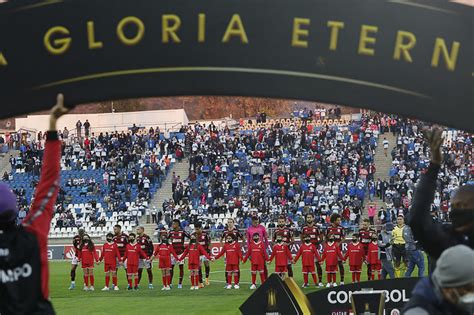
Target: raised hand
57,111
434,138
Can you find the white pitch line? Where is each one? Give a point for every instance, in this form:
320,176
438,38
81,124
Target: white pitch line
241,282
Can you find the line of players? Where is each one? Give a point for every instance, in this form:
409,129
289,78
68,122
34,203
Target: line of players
136,252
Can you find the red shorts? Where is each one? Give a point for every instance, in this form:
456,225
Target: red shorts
308,269
164,264
257,268
110,267
87,265
193,266
232,267
281,268
376,267
331,268
355,268
132,268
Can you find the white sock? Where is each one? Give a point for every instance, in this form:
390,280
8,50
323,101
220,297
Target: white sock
73,282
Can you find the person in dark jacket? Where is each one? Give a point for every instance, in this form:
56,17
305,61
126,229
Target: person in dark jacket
24,274
435,237
450,289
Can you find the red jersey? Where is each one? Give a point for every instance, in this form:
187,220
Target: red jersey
76,242
133,253
164,252
146,244
194,253
337,231
234,232
257,253
309,253
121,241
204,240
88,256
365,236
373,254
285,233
282,254
233,254
177,240
110,254
313,232
331,253
355,252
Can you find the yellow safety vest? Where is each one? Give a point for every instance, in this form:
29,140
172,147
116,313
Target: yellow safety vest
397,234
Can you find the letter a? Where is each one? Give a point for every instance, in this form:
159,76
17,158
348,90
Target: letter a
3,60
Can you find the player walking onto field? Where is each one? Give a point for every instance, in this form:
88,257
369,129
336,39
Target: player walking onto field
147,246
338,232
355,253
233,256
177,238
332,255
258,258
109,256
205,241
194,251
133,252
164,252
230,229
76,243
288,239
316,237
309,254
374,259
88,255
282,255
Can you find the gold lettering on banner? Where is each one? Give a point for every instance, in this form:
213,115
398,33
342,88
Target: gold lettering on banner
365,39
450,58
170,25
335,27
235,28
298,32
138,36
93,44
404,42
57,46
201,28
3,60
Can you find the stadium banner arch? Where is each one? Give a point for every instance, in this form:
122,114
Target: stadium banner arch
408,57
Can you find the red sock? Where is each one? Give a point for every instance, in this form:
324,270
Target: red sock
379,275
92,279
314,278
333,275
254,277
236,278
136,281
196,279
354,276
192,281
329,277
305,278
130,282
86,280
358,276
114,280
229,279
168,277
372,276
262,277
107,280
163,279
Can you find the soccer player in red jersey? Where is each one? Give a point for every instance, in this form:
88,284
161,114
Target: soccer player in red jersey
133,252
233,256
332,255
147,246
205,241
164,252
110,254
309,255
338,232
230,229
355,253
374,259
177,237
88,255
76,243
316,236
258,257
365,233
121,239
288,239
194,251
282,255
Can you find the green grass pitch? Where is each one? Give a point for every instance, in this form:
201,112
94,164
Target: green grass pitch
213,299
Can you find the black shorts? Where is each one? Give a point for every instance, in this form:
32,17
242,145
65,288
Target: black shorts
399,253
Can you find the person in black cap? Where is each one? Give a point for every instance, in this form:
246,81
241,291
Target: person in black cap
434,237
23,249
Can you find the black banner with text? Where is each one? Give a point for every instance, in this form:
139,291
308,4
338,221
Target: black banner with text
407,57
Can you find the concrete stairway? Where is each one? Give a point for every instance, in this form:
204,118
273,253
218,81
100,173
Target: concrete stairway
382,165
165,192
5,161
